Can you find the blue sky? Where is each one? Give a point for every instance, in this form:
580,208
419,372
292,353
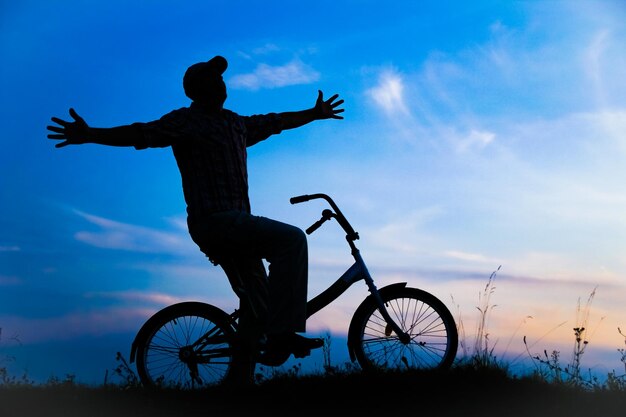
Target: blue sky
475,135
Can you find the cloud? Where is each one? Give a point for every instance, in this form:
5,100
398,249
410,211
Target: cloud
476,139
9,248
267,76
593,55
191,271
471,257
124,236
602,61
66,327
268,48
388,94
6,280
418,116
135,297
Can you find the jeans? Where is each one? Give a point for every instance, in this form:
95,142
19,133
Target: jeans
247,240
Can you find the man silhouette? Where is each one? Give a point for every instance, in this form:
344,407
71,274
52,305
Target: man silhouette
209,143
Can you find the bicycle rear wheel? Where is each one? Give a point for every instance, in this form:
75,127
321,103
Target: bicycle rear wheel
185,346
432,330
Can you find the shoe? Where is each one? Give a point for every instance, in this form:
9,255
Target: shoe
278,347
301,343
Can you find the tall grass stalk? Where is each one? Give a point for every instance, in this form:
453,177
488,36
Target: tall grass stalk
483,354
328,366
460,329
623,352
614,381
580,333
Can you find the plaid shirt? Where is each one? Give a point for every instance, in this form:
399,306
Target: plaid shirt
210,150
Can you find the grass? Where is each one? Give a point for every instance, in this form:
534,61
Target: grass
478,384
462,390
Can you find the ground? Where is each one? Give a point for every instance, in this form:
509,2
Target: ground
453,393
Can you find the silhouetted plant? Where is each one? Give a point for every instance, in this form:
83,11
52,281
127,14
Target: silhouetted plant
68,381
622,351
126,375
264,373
551,369
328,367
5,378
484,354
580,333
460,329
571,373
614,381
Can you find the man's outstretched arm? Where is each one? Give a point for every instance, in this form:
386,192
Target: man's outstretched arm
79,132
322,110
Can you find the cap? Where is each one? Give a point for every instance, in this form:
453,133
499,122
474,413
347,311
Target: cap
197,72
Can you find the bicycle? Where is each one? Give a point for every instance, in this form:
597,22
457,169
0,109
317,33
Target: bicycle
192,344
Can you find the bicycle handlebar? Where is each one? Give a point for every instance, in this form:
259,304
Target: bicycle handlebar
326,215
307,197
299,199
351,235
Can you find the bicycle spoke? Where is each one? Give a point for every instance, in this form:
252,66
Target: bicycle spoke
163,349
186,351
430,341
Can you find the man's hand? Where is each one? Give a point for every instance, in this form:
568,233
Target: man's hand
327,109
322,110
72,133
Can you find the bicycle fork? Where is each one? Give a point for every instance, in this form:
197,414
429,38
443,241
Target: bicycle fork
404,337
358,271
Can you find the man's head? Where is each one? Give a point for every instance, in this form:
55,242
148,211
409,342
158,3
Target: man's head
203,82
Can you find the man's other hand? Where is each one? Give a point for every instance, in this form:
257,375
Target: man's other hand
327,109
71,133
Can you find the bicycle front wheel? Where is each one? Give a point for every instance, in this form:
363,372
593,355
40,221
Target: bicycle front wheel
433,335
185,346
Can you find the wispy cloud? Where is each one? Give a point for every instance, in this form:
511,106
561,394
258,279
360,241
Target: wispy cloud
123,236
9,280
268,48
602,63
475,139
94,323
137,297
472,257
388,94
198,271
414,116
6,280
294,72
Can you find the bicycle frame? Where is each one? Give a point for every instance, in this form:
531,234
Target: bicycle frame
358,271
